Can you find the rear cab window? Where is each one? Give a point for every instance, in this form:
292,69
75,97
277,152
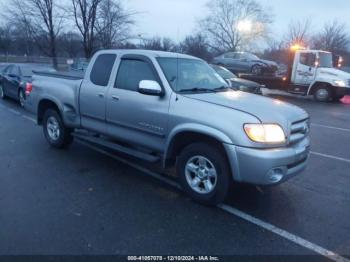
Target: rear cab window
102,69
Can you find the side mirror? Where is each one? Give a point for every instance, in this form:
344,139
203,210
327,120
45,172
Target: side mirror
150,87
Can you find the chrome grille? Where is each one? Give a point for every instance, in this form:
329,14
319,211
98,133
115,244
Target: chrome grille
299,130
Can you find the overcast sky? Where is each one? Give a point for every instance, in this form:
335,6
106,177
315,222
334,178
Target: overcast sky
177,18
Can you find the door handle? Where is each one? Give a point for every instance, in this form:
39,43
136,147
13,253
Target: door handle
101,95
116,98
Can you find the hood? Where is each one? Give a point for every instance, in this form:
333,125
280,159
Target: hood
245,82
267,110
333,72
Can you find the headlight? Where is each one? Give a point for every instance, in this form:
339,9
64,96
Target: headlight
265,133
340,83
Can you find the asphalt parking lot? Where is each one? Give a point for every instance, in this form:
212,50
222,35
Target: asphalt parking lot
83,202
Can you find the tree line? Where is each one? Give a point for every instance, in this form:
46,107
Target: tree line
78,28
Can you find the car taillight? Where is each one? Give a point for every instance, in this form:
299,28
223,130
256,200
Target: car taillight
29,88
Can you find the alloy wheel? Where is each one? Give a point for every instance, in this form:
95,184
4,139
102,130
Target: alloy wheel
53,128
201,174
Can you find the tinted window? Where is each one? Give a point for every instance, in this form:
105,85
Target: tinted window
102,69
325,60
14,70
224,73
232,55
6,69
132,72
308,59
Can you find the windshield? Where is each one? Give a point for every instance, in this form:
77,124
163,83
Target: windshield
325,60
251,56
185,74
224,73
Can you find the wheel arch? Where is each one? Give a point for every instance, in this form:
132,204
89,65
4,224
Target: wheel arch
182,137
43,105
317,84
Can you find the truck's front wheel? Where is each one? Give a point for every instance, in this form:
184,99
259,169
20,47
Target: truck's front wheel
55,132
322,93
204,173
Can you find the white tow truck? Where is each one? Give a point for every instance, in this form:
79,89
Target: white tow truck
310,72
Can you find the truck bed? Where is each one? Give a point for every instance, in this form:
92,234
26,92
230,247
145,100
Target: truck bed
63,75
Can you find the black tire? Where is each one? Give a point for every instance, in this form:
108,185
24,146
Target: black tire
2,92
21,97
220,163
64,137
323,93
257,70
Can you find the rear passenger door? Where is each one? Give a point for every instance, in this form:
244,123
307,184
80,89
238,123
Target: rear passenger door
134,117
93,93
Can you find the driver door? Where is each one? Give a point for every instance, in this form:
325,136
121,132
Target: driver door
134,117
306,69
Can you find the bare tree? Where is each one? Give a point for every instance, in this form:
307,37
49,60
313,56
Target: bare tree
157,43
70,44
85,15
113,24
196,45
41,20
298,33
234,24
334,37
6,38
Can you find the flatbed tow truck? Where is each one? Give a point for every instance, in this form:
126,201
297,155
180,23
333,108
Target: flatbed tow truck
310,72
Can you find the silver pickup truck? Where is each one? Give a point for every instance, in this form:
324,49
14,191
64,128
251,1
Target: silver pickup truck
176,110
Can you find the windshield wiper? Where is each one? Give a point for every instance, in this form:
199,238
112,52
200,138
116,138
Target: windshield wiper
202,89
197,89
222,88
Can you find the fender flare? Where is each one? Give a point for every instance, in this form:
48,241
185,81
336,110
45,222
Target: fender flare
195,128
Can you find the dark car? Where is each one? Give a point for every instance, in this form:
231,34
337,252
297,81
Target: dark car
238,83
15,77
243,62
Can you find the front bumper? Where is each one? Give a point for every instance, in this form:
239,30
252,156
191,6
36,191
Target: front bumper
267,166
343,91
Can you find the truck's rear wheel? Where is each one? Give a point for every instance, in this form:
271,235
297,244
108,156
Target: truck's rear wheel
21,97
2,92
204,173
322,93
55,132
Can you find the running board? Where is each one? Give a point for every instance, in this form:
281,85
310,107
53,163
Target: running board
115,147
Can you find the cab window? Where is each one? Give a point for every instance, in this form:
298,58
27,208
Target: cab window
131,72
308,59
101,71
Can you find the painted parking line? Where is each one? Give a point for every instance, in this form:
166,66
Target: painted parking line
332,127
235,212
330,156
229,209
285,234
